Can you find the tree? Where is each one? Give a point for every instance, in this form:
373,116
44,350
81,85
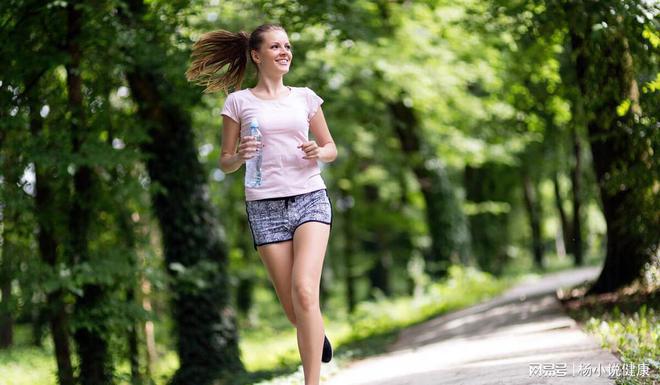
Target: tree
612,47
445,219
95,364
620,131
47,222
196,256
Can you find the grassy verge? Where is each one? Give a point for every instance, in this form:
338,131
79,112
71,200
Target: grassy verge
627,323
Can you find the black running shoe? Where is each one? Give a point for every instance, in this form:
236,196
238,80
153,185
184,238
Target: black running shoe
327,350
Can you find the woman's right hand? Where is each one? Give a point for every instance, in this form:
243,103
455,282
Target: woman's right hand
248,148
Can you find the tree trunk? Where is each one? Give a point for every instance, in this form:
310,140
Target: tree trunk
446,222
46,212
128,238
10,172
95,365
490,230
205,325
578,123
533,212
127,235
345,206
244,295
38,321
563,219
6,319
133,343
246,280
576,178
605,78
149,336
379,275
379,272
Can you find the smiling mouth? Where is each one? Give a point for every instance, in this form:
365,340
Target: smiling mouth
283,62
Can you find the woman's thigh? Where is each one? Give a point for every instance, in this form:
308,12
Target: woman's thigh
310,241
278,259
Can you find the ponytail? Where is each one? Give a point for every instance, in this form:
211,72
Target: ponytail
213,51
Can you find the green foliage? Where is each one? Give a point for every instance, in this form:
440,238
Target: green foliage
27,366
634,336
491,84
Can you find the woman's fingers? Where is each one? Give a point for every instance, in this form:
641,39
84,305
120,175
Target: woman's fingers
305,146
311,149
312,155
248,147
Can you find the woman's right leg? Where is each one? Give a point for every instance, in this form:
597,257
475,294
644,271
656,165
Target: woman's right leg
278,259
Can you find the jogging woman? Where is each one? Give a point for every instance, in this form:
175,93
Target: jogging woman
290,213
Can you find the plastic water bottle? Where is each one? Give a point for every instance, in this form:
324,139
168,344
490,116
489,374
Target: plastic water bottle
253,165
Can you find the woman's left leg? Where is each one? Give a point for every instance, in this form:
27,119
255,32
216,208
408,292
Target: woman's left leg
310,241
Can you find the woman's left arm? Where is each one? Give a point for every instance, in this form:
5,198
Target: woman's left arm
324,147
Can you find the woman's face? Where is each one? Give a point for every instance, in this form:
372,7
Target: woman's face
274,55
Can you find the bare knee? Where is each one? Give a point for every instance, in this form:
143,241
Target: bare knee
289,309
292,319
305,298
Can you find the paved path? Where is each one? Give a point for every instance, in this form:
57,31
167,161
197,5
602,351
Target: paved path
500,341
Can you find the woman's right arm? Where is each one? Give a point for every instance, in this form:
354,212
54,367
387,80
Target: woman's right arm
230,159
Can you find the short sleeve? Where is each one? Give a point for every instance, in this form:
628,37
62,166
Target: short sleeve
231,108
313,103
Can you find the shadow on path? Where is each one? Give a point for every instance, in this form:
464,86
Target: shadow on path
520,337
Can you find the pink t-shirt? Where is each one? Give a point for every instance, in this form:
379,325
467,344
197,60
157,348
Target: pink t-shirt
284,124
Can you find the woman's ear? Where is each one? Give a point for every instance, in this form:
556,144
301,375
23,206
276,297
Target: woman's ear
255,56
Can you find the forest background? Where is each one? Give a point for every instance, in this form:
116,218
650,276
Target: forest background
477,140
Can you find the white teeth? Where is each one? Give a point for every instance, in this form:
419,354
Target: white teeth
283,61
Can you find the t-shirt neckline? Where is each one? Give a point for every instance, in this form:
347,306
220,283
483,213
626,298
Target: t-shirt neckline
249,90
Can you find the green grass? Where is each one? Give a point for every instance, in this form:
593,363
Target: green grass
627,323
26,366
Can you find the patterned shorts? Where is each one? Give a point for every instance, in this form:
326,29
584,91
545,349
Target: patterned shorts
276,219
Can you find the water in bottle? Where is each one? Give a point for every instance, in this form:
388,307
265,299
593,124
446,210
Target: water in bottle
253,165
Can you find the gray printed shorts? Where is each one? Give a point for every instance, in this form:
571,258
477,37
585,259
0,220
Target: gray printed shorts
276,219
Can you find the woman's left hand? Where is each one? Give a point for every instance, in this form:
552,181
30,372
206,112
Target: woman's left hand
311,149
